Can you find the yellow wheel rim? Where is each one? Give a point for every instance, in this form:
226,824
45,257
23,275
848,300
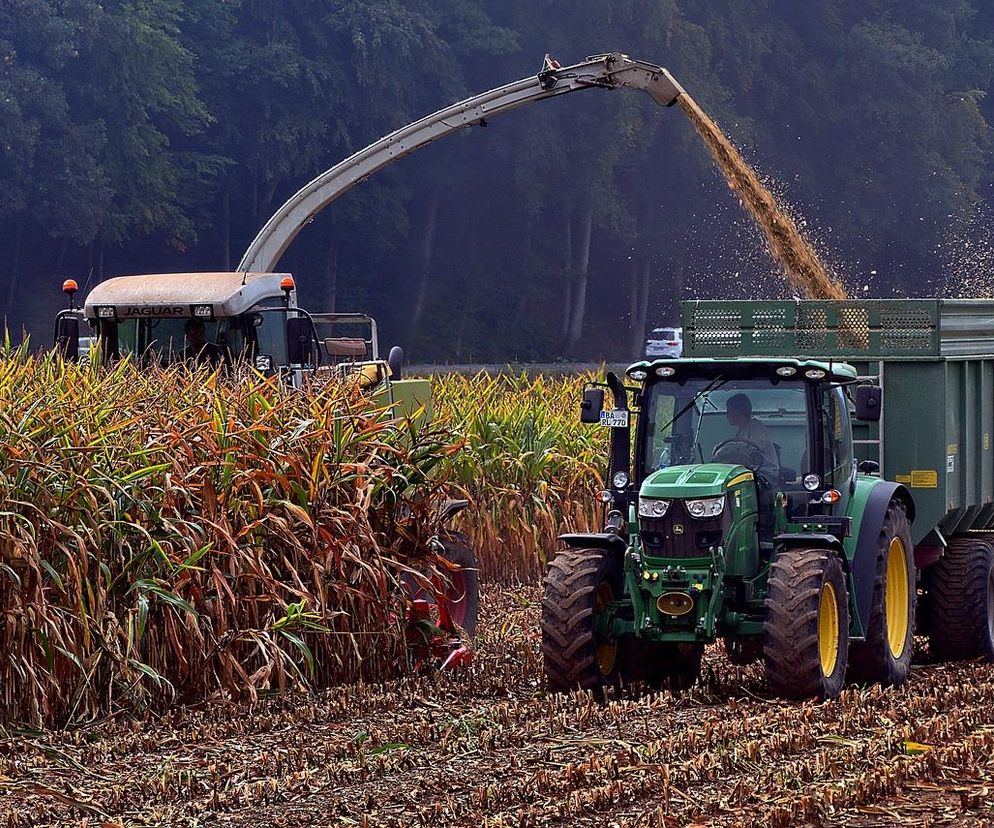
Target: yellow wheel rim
896,598
828,630
607,651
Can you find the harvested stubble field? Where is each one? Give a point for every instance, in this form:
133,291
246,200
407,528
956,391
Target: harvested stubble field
486,747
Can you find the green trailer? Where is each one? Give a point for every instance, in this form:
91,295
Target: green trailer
811,482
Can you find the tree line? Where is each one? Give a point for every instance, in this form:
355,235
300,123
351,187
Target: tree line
160,135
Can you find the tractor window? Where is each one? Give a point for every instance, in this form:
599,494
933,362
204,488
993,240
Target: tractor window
748,421
836,438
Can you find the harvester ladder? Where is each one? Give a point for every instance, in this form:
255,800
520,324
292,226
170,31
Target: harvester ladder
878,379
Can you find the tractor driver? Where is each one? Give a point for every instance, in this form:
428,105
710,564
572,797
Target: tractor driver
739,413
197,346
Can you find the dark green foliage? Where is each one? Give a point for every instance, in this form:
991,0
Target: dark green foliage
161,135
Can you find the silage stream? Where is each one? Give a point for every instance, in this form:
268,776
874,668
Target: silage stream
787,244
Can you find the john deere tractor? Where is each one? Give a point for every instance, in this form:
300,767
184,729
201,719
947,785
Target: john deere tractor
738,510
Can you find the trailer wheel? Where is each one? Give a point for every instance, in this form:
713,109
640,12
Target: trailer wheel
961,601
578,586
666,665
806,632
885,655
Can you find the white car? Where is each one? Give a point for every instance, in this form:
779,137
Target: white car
664,342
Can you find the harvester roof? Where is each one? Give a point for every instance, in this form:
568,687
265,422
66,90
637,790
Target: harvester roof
176,294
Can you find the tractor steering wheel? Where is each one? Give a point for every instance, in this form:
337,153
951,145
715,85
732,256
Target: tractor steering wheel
749,443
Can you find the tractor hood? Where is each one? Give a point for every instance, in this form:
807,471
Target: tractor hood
701,480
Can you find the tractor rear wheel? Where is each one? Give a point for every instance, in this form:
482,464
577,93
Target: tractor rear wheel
661,664
578,588
961,601
885,655
806,632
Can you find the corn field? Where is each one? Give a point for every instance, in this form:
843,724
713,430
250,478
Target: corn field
529,468
168,538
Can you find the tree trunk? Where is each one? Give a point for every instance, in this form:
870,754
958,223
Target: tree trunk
13,269
633,306
568,270
643,305
60,261
331,277
427,252
582,272
226,230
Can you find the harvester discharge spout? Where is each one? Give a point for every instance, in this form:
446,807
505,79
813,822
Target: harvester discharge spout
608,71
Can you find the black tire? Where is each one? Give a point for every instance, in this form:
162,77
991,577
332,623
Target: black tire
880,657
463,592
960,596
743,651
577,585
661,664
807,589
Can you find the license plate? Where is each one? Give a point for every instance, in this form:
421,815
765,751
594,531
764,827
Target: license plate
614,419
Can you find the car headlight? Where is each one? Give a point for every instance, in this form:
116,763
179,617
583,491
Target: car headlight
650,507
706,507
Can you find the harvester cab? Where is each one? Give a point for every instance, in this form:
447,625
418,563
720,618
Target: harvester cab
226,319
739,511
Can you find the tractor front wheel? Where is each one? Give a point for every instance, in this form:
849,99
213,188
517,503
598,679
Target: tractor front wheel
579,587
806,632
961,601
885,655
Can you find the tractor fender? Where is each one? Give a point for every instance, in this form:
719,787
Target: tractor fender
868,508
608,541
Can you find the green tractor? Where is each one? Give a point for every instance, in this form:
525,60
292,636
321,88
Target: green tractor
738,510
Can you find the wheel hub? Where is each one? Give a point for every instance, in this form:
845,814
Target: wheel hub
896,598
828,630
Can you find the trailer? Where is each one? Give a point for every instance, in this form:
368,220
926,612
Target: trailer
812,482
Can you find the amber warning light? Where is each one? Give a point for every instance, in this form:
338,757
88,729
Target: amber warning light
69,286
287,283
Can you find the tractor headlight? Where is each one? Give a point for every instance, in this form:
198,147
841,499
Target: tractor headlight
650,507
706,507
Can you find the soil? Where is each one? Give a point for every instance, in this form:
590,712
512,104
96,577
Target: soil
487,746
787,245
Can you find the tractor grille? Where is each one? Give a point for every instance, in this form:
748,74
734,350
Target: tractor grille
661,537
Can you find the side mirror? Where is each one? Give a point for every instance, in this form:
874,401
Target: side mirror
868,400
298,340
67,337
592,405
395,360
868,467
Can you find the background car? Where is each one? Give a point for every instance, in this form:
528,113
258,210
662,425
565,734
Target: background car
664,342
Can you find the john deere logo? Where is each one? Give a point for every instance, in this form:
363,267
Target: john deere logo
677,528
